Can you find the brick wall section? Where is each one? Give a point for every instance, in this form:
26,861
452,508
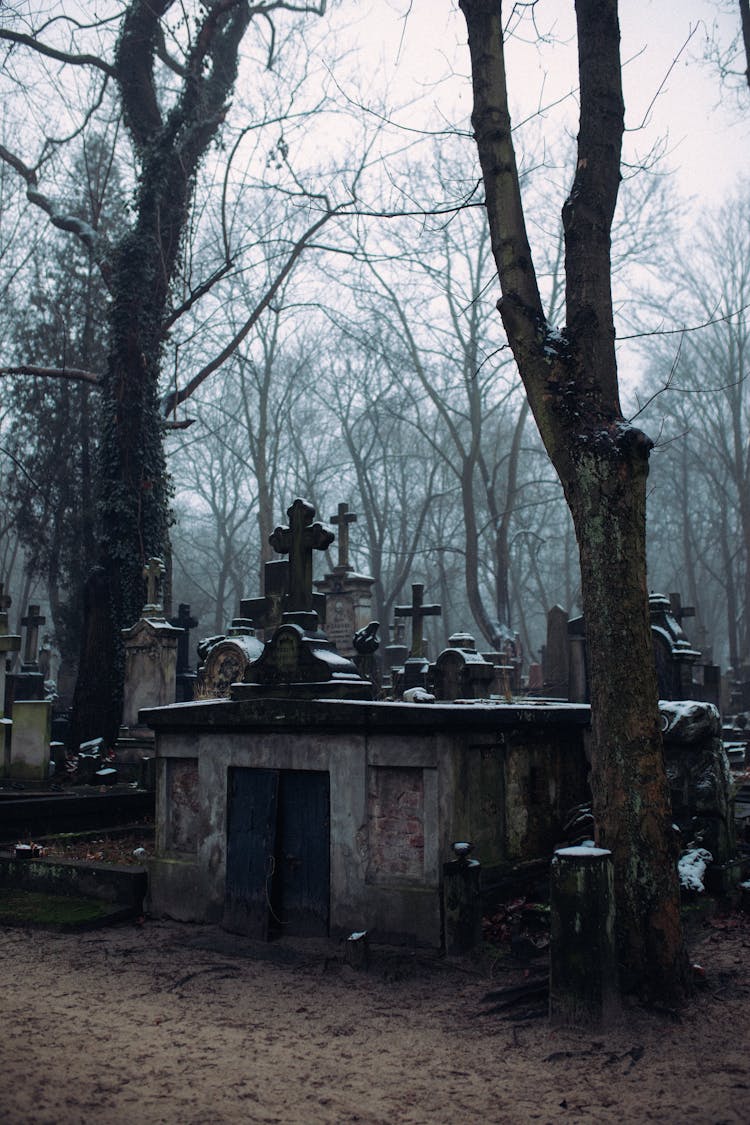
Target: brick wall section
395,803
183,804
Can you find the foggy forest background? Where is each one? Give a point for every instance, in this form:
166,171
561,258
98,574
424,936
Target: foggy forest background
334,336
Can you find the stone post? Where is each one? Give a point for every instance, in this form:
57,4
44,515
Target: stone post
583,964
462,902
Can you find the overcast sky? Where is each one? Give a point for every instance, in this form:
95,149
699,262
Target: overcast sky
420,48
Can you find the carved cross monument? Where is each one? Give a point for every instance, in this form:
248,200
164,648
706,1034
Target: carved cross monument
153,572
417,611
32,621
299,540
342,521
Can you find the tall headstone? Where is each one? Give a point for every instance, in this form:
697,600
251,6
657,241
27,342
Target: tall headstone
32,734
348,594
556,661
150,656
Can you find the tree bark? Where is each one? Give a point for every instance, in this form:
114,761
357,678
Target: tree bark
570,378
133,482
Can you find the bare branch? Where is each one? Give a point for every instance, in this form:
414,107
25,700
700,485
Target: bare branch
73,373
52,52
172,400
196,294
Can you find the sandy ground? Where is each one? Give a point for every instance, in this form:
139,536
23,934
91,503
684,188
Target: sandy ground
173,1023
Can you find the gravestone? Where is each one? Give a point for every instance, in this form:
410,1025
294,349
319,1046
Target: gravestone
397,651
29,682
30,746
299,540
265,612
228,659
416,666
150,657
10,643
461,672
348,594
299,659
555,660
674,654
186,675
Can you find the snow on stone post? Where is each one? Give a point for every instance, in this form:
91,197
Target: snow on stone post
583,964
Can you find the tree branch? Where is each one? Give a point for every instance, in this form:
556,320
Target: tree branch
172,400
73,373
71,223
52,52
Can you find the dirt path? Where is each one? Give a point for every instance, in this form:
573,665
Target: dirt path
178,1024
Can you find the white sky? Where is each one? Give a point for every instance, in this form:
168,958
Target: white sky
418,43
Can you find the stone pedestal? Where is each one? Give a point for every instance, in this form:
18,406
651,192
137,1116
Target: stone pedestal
583,963
30,748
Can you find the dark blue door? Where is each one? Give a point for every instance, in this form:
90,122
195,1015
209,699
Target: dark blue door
278,852
252,807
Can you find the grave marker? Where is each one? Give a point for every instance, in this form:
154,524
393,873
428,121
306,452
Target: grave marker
299,540
417,611
32,621
342,521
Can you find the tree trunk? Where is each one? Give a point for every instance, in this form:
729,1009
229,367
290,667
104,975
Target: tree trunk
628,780
570,378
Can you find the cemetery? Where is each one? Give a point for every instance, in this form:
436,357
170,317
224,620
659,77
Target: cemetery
374,562
302,788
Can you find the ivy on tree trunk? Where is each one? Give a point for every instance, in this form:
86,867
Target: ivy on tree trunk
133,480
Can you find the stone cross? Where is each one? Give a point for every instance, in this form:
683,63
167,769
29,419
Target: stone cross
183,621
32,621
417,611
299,540
153,572
679,610
342,521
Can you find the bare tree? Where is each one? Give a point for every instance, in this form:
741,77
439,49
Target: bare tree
173,72
571,381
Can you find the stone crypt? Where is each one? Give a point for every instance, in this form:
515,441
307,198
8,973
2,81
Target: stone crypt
301,806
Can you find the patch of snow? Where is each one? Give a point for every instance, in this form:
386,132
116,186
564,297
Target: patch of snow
691,867
584,850
418,695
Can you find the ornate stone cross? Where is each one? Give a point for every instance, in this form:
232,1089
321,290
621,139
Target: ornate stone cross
417,611
153,572
299,540
342,521
32,621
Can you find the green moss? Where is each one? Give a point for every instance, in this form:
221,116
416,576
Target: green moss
19,907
